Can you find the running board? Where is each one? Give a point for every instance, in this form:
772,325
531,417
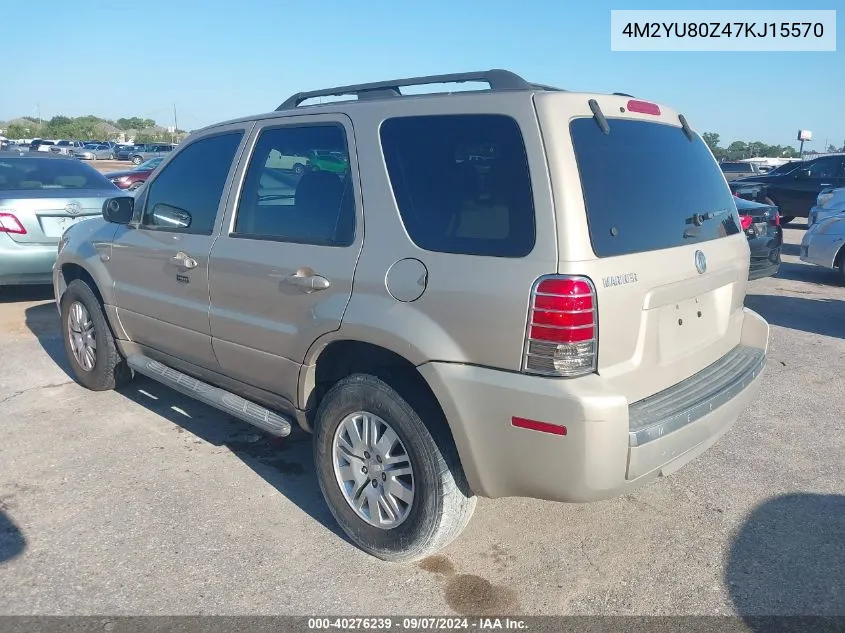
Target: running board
235,405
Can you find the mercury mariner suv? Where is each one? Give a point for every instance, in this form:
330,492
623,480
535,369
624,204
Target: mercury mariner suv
510,291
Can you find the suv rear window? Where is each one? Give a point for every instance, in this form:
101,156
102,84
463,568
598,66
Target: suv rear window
644,182
461,183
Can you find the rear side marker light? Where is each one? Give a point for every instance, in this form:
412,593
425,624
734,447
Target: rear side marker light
543,427
643,107
10,224
561,333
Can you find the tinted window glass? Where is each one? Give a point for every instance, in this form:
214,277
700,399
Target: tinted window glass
47,173
461,183
193,181
830,167
734,167
644,182
297,187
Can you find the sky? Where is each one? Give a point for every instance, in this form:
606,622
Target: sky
217,59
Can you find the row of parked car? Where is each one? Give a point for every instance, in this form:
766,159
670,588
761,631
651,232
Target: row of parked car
99,150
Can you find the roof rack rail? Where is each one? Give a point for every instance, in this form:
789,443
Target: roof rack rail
497,79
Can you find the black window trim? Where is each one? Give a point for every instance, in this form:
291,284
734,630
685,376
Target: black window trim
248,155
528,167
244,132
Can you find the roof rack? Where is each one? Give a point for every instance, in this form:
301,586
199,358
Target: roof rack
498,80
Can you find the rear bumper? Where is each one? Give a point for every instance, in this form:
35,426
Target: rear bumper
23,264
765,255
610,445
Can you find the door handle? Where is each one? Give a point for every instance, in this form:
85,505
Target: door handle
308,282
184,260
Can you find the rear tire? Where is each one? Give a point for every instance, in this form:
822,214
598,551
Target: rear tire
439,505
83,320
137,160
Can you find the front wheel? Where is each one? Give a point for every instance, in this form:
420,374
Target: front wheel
137,160
397,491
111,156
90,346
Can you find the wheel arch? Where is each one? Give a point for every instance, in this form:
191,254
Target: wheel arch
343,357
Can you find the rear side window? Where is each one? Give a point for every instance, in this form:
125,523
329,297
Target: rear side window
193,181
733,168
461,183
645,183
298,188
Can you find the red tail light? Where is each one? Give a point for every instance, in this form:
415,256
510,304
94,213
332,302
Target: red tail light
562,327
745,221
776,218
10,224
643,107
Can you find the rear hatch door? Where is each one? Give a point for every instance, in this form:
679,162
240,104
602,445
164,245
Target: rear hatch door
644,210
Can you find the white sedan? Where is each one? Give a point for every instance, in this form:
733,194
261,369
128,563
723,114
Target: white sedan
824,243
829,202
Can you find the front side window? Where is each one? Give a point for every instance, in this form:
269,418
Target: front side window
297,187
461,183
192,183
830,167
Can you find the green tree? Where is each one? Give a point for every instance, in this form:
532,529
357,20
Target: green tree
831,148
134,123
738,149
16,131
712,140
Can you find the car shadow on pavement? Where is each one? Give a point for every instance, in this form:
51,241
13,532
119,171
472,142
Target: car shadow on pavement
808,273
13,294
788,557
790,249
819,315
12,542
285,463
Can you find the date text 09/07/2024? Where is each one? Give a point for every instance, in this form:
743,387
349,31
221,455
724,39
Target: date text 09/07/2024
791,30
416,623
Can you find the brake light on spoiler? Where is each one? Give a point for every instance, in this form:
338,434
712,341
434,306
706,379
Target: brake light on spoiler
643,107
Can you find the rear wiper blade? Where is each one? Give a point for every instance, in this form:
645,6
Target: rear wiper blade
700,218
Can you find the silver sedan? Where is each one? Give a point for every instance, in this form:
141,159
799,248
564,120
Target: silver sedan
824,244
93,151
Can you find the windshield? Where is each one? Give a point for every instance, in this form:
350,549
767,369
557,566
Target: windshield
784,169
46,173
148,164
647,187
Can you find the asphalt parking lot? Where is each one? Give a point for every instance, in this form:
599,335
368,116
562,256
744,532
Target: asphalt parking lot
145,502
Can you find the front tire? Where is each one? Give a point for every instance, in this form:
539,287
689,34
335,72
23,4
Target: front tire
91,350
395,488
137,160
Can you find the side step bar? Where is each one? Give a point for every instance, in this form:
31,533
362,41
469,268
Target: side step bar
239,407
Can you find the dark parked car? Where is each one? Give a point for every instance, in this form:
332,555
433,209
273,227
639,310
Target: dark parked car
131,179
794,192
761,225
734,170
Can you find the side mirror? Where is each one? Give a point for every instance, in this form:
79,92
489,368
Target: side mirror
119,210
167,216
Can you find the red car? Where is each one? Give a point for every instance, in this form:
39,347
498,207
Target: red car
133,178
